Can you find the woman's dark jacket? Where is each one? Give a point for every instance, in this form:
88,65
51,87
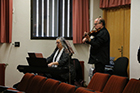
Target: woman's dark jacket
64,61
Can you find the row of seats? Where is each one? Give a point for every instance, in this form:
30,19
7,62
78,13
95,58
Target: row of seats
100,83
104,83
31,83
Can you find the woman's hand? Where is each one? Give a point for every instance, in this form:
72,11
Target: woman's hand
50,64
53,63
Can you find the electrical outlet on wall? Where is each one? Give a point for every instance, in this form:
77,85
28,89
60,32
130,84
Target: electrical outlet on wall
17,44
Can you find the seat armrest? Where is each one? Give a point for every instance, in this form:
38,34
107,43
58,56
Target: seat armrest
12,91
2,88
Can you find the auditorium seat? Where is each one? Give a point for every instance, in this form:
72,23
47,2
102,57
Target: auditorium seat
133,86
65,88
81,90
35,84
49,86
115,84
23,84
98,81
2,73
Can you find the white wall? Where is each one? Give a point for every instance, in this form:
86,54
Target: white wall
134,39
15,56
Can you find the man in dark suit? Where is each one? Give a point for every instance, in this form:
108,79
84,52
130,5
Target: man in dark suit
100,45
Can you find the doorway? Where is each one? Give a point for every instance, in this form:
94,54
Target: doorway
118,25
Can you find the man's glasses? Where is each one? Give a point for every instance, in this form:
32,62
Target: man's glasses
96,24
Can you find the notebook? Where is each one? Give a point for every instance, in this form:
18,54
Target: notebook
37,62
35,55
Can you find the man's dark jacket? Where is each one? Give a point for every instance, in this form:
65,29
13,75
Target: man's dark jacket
100,47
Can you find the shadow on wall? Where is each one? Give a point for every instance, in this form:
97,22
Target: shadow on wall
81,51
6,49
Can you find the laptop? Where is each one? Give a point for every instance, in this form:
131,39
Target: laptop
37,62
35,55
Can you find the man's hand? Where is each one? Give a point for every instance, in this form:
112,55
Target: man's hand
86,38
